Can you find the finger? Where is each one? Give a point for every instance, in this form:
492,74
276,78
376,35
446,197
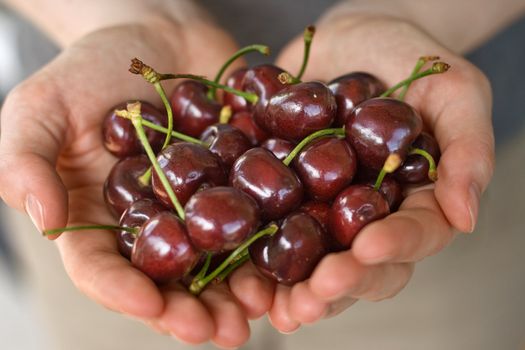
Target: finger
417,230
185,317
231,326
29,146
253,291
336,307
279,315
305,307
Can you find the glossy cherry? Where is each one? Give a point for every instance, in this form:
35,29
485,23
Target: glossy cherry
352,209
135,216
279,147
415,168
220,218
275,187
193,111
227,142
244,122
236,81
188,168
163,250
123,187
326,166
318,210
292,253
391,190
379,127
299,110
352,89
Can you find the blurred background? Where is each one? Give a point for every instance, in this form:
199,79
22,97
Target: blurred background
477,283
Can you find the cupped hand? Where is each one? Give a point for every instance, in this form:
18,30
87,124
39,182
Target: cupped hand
456,108
53,166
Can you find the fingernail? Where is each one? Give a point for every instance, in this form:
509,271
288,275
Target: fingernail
35,211
473,205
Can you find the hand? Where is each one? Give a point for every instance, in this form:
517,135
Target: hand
53,165
456,106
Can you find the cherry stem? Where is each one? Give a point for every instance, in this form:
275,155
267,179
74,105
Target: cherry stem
169,111
263,49
205,267
308,36
136,119
145,179
419,64
437,68
309,138
241,259
392,162
225,114
55,231
432,171
197,285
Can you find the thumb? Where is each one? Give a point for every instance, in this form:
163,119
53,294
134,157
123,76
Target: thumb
33,126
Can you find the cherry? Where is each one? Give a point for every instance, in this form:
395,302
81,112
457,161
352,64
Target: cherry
352,89
227,142
290,255
326,166
163,250
390,189
415,168
124,185
187,167
220,218
237,103
381,129
193,111
244,122
318,210
279,147
135,216
274,186
352,209
119,135
299,110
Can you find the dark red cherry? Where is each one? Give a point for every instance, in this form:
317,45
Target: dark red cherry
220,218
318,210
123,187
188,167
279,147
379,127
163,250
227,142
391,190
193,111
244,122
415,168
236,81
352,209
275,187
299,110
134,217
326,166
292,253
120,137
352,89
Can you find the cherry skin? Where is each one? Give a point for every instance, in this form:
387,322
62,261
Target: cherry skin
279,147
119,135
220,218
193,111
236,81
188,168
244,122
326,166
227,142
352,89
318,210
415,168
163,250
299,110
379,127
391,190
292,253
275,187
352,209
135,216
122,186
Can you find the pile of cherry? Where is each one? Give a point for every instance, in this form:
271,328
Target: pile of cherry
273,170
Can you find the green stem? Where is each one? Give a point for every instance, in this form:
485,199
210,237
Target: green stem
308,36
174,133
145,179
167,105
263,49
419,64
432,171
379,179
241,259
55,231
205,267
198,284
309,138
437,68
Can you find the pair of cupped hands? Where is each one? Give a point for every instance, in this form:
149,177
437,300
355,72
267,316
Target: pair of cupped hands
53,166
